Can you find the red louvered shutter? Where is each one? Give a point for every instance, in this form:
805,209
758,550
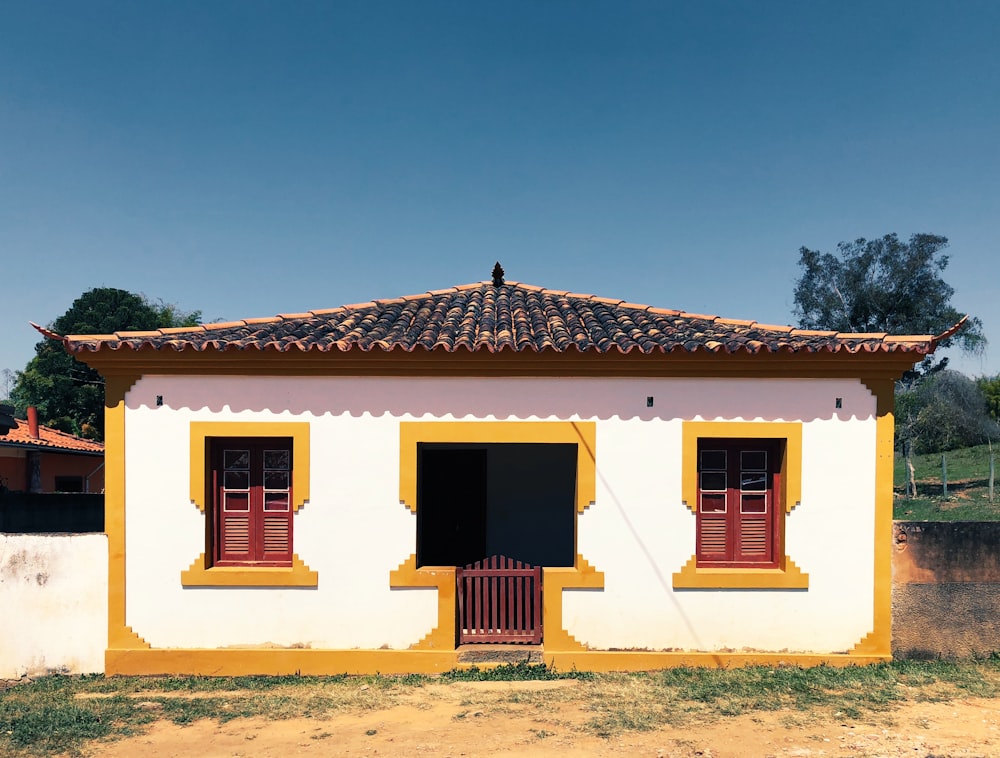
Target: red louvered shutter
737,518
275,525
252,502
714,504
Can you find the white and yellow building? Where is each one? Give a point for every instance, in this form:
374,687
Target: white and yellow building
298,493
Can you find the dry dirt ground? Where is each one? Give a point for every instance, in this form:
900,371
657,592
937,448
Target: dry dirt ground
487,719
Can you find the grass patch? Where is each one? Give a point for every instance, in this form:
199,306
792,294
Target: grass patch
968,487
522,671
61,714
627,702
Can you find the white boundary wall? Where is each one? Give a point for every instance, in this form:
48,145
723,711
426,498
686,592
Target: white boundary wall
53,604
354,530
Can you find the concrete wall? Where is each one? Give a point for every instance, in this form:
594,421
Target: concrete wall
53,603
946,588
53,596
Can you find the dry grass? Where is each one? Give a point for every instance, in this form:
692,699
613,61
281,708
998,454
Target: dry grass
62,714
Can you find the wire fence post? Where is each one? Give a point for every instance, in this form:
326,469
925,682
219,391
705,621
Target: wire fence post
944,475
992,472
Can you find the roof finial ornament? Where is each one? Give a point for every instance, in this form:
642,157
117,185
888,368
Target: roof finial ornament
498,275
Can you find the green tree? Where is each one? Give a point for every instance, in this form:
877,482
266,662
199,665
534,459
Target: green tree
68,394
943,411
991,390
883,285
6,385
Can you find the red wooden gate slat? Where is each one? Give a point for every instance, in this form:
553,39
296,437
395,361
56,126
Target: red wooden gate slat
499,600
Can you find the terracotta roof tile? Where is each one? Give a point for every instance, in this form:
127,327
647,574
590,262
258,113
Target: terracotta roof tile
512,316
264,320
811,333
864,335
49,439
775,328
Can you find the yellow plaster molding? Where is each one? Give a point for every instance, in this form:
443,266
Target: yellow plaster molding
116,386
296,575
871,385
791,469
787,575
297,430
554,581
641,660
277,661
407,575
313,662
125,638
879,640
583,434
791,577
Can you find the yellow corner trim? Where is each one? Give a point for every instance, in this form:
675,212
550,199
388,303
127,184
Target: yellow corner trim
583,434
554,581
879,640
115,389
790,577
297,575
125,638
791,468
297,430
407,575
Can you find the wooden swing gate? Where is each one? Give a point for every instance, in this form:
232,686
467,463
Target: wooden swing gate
499,600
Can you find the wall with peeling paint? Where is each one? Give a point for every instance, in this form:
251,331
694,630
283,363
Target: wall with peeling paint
53,596
53,603
946,588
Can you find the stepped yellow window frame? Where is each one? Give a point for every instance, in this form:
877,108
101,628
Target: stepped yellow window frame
202,573
786,575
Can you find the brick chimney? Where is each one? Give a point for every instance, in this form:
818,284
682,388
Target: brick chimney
33,422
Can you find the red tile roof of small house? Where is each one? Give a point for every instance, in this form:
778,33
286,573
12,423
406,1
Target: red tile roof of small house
509,316
49,439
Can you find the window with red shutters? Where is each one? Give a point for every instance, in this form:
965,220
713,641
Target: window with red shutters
738,494
252,501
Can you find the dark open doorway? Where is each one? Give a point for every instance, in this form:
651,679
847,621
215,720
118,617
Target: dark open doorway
512,499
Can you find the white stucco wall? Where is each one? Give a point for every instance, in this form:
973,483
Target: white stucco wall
354,531
53,603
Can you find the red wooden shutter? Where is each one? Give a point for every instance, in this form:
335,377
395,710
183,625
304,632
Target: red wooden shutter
234,510
275,531
714,504
737,518
252,502
752,491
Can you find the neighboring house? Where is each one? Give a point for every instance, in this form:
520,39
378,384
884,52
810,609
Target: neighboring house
304,493
35,458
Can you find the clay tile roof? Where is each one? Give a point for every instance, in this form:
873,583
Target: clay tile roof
512,316
49,439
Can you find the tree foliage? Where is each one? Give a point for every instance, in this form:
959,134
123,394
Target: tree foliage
943,411
68,394
990,387
883,285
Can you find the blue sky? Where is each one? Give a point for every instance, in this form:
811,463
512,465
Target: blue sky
252,158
